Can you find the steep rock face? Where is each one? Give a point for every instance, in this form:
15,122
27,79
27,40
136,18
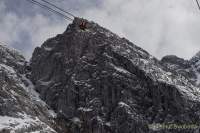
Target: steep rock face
99,82
21,110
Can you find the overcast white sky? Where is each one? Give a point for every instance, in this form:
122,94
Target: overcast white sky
159,26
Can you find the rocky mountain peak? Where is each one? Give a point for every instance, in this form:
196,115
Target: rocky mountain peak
195,61
90,80
196,57
187,68
97,82
176,61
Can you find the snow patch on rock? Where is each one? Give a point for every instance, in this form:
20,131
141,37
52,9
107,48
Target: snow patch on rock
22,123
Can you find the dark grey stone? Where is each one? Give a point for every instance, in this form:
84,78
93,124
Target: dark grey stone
100,83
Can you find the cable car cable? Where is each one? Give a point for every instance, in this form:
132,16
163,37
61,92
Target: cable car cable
50,9
59,8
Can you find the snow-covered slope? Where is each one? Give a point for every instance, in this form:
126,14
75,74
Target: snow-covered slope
21,110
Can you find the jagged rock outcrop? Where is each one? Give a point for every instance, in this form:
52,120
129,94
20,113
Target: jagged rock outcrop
180,66
98,82
190,69
21,110
178,63
195,63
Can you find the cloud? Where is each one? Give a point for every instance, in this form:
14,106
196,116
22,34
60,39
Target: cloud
160,27
26,32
